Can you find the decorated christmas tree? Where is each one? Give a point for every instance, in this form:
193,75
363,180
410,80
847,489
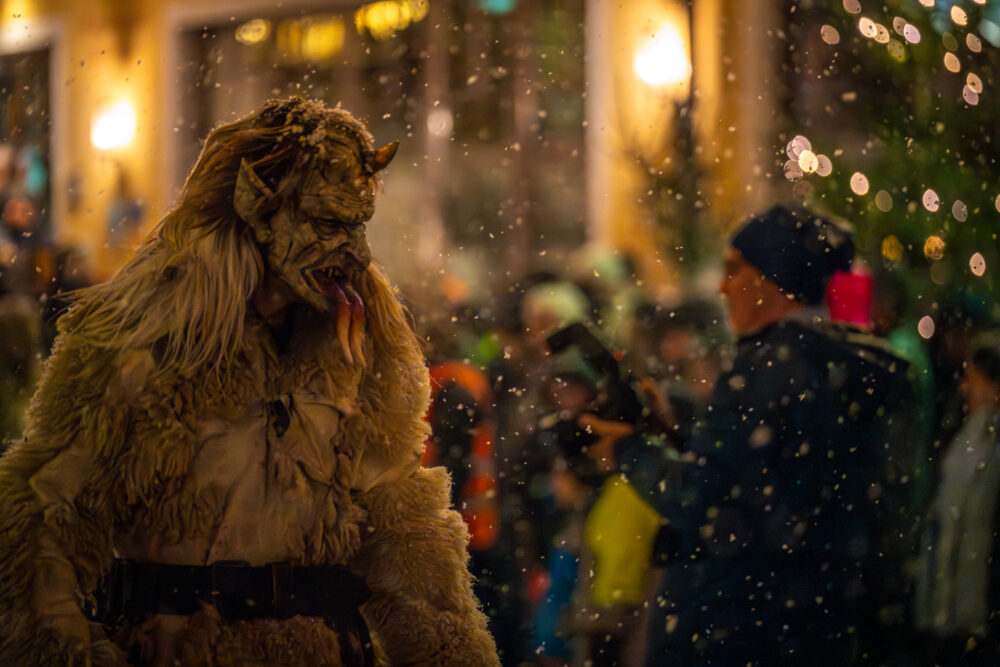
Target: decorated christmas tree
893,111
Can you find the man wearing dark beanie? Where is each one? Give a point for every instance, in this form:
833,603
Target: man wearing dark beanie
772,525
779,262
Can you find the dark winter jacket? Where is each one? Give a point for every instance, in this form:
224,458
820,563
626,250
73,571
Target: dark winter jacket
775,523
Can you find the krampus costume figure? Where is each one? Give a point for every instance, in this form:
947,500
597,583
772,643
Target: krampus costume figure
228,436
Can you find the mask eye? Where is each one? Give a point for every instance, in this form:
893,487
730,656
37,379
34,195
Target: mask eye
326,226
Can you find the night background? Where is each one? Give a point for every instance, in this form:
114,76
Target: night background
559,161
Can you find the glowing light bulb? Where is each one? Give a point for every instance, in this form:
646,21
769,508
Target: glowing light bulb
114,126
663,60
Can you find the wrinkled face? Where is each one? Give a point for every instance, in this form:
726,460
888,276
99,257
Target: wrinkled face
317,243
312,231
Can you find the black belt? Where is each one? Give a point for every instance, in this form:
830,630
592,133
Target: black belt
133,590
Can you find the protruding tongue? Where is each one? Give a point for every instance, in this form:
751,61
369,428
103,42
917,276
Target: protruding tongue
335,292
349,314
357,318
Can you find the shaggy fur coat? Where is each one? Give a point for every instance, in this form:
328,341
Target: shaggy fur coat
120,458
149,439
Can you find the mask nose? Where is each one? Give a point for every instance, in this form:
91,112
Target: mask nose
359,253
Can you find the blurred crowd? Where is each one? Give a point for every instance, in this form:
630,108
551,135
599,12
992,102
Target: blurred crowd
652,481
34,271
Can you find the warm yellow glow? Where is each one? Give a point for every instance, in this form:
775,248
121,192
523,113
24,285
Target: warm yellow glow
313,38
253,32
114,126
19,10
18,19
323,39
892,249
385,18
934,247
663,60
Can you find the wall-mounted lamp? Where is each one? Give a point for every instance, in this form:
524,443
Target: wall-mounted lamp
663,60
660,132
112,130
114,126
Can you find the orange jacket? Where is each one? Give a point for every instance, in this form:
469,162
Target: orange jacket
477,499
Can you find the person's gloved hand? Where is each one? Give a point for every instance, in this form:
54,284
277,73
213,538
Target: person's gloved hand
608,432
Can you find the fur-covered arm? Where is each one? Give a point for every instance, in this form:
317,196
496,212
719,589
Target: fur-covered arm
55,535
422,610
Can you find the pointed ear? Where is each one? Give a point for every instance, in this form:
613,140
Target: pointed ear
252,199
381,158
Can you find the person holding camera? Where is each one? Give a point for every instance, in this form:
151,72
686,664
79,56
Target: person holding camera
774,519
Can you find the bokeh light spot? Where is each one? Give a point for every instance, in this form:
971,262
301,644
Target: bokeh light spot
883,200
960,211
977,264
892,248
951,62
974,82
867,27
792,170
808,162
931,201
824,167
859,183
796,146
934,247
925,327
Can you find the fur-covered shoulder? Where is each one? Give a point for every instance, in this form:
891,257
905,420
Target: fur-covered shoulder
51,506
395,391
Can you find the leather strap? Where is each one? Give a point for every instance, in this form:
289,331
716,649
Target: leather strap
134,590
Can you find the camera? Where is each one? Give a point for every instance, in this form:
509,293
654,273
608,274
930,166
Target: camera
612,396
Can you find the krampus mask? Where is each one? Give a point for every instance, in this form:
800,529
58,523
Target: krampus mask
311,223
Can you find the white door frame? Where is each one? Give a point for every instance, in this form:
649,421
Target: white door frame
21,35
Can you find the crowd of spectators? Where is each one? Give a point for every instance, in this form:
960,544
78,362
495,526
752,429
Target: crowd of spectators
790,473
34,271
786,472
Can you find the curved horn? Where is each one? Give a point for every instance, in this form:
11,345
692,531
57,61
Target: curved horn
381,158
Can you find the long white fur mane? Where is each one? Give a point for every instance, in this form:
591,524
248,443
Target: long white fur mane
183,290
